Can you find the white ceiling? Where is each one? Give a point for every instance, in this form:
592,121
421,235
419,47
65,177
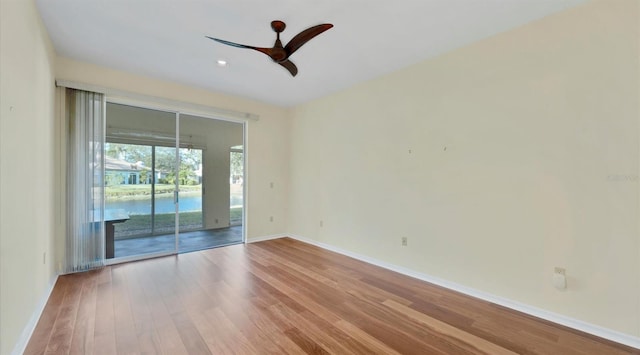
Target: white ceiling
166,38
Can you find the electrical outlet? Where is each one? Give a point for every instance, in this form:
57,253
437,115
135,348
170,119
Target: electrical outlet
216,221
559,279
271,219
271,185
404,241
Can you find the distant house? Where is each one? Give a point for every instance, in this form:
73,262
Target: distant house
120,172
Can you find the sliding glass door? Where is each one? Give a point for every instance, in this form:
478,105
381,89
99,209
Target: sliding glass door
206,218
178,180
141,181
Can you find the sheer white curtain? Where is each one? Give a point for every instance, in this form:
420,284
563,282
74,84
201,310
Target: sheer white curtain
85,186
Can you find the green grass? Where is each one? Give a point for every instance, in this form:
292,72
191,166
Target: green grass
164,222
235,214
139,224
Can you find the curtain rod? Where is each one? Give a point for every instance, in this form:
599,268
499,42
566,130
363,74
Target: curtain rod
124,97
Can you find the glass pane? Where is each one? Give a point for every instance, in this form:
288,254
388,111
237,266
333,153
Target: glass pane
165,209
128,187
141,163
190,182
236,181
210,197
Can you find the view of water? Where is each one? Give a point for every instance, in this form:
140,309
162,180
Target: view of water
164,204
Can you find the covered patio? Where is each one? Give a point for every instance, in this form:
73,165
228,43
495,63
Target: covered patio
189,241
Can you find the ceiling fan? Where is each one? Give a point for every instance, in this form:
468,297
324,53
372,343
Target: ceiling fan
278,53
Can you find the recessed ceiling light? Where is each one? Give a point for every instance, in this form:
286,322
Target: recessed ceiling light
222,63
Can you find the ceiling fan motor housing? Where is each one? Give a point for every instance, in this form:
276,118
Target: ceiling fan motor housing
278,26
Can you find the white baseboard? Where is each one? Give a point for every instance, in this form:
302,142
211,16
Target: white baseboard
602,332
27,332
266,237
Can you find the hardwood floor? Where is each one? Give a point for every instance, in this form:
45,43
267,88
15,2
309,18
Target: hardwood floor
283,296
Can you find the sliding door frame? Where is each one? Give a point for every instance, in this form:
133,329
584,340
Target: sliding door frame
177,111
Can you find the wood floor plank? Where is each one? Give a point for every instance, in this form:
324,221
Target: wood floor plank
82,340
304,342
283,297
393,333
104,332
376,346
42,333
258,332
233,339
210,334
448,330
158,287
148,338
319,333
189,334
308,302
62,332
126,338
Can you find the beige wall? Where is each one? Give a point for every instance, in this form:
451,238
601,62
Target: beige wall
498,162
27,168
267,145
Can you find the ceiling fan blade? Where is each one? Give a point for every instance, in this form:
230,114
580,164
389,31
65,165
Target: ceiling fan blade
266,51
305,36
290,67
